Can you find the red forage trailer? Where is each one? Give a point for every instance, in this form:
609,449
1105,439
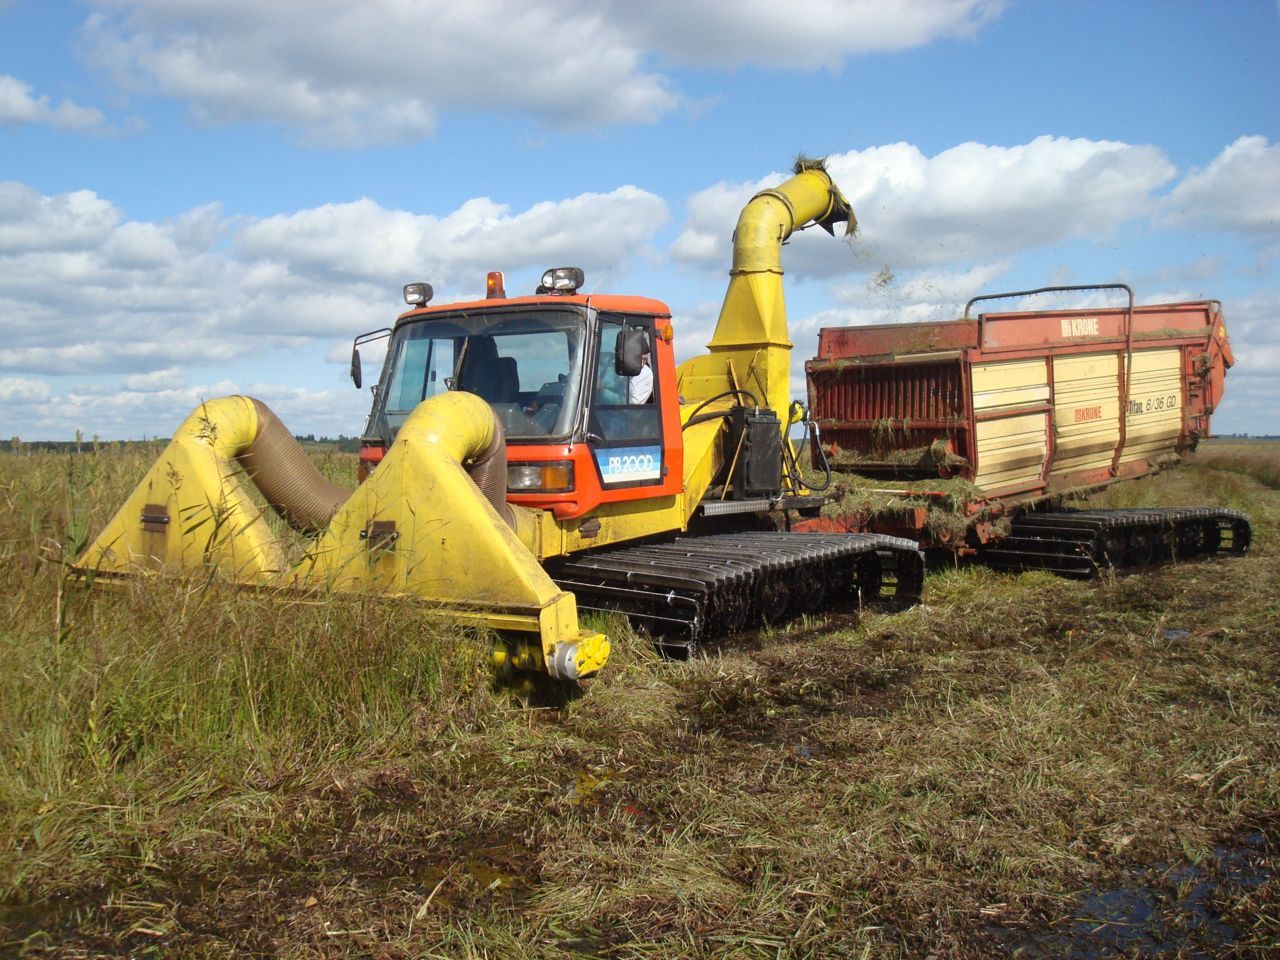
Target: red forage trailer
1023,406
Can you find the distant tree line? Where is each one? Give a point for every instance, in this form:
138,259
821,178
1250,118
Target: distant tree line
341,443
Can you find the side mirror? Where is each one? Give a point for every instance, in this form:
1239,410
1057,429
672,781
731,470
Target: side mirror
357,376
629,350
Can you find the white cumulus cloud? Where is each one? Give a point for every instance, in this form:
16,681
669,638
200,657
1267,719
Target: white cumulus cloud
23,390
805,34
19,104
595,231
32,223
84,291
383,70
170,378
925,295
380,71
1251,400
1238,190
971,203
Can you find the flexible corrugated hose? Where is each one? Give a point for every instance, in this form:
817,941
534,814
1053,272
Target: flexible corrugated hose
281,469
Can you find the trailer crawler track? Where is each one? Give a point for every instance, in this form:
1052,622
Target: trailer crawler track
697,588
1082,542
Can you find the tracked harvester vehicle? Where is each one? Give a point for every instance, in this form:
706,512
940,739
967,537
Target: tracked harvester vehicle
529,457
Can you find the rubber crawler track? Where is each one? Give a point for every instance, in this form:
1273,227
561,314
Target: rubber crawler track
697,588
1082,542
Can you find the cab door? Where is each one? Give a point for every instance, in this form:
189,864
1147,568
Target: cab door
626,445
627,428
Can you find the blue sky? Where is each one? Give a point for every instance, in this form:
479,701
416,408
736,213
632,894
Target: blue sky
201,197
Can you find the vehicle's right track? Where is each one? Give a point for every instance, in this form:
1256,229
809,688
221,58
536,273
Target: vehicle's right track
1082,542
696,588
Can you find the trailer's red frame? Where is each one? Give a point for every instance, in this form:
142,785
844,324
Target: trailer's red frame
870,385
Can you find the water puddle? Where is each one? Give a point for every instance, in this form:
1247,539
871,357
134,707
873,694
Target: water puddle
28,929
1166,909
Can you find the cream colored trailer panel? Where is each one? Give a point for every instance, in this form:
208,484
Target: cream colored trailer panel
1155,383
1009,384
1086,389
1154,420
1086,410
1010,450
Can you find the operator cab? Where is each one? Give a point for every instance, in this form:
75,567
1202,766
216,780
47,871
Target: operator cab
584,388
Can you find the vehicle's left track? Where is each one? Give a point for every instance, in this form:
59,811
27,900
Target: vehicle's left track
697,588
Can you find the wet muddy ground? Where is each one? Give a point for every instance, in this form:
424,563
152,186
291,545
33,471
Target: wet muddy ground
1182,909
1190,910
1023,767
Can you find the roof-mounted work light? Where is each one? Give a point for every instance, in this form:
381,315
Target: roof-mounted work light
562,280
417,294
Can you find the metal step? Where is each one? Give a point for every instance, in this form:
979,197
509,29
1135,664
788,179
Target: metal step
720,508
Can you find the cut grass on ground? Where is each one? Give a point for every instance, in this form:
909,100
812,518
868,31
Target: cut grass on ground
189,771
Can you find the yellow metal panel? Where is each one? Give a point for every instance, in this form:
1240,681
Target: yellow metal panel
1166,360
1154,419
1087,407
420,526
1010,429
628,520
750,349
703,454
1008,374
751,332
1085,366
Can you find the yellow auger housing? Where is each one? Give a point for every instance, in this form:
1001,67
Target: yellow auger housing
190,511
750,348
419,527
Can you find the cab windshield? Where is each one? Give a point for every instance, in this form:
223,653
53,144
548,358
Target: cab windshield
527,365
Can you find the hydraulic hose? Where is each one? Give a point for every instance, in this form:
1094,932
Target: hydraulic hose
489,472
814,440
299,493
798,414
695,419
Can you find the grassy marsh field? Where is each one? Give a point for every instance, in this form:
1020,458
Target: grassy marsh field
1023,766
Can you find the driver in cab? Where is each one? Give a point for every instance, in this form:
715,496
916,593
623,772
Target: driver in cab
640,387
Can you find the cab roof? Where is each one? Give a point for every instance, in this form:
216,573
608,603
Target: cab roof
612,303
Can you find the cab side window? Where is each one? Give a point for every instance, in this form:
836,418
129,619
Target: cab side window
624,409
422,366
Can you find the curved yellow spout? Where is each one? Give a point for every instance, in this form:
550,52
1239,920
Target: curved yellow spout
420,526
771,216
751,349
